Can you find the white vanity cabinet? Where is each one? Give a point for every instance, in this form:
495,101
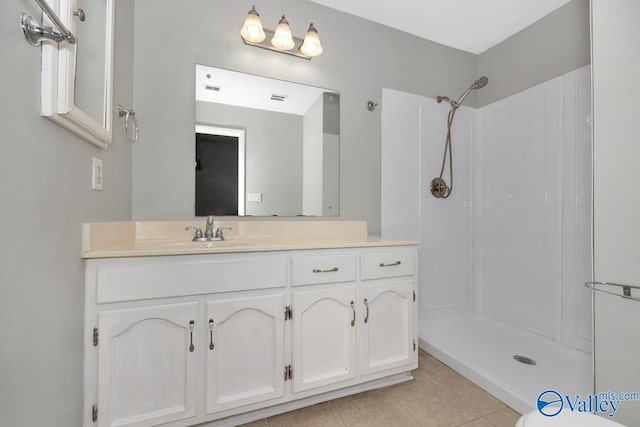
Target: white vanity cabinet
244,351
324,319
226,338
324,337
389,302
147,362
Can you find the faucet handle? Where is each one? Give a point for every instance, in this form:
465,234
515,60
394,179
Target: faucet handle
199,235
218,232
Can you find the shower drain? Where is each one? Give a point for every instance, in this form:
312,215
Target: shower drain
524,359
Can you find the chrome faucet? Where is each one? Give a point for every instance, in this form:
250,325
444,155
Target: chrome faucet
210,234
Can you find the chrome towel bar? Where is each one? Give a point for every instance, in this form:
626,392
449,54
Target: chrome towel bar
36,33
626,289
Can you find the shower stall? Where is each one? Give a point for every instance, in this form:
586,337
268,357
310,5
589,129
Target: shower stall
503,257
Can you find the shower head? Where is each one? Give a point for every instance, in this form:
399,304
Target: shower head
480,83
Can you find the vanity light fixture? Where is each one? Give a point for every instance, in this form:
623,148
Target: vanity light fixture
311,45
281,40
252,29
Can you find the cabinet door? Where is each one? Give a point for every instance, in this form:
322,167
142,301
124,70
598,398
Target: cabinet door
388,326
245,351
324,350
147,365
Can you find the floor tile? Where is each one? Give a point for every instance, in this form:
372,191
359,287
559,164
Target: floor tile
297,412
475,397
438,397
506,417
259,423
374,410
429,366
432,405
480,422
320,416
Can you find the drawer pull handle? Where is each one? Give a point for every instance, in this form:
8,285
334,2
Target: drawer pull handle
353,308
366,317
192,325
332,270
382,264
211,346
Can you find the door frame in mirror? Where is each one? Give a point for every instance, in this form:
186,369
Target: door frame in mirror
58,81
240,134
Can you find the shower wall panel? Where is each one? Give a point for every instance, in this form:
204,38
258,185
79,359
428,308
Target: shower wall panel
520,211
577,320
413,135
445,266
512,242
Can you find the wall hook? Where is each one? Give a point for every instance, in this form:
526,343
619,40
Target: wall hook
371,105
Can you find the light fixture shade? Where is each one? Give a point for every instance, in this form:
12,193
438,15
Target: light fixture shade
282,39
311,45
252,29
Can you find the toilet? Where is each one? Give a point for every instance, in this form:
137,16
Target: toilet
565,419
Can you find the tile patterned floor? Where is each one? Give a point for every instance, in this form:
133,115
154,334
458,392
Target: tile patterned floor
438,397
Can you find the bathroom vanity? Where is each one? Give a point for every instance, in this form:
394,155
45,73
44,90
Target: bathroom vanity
278,316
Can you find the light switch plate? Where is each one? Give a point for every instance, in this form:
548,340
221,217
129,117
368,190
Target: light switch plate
96,174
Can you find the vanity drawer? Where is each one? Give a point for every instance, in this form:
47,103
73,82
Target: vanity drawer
388,264
131,282
315,270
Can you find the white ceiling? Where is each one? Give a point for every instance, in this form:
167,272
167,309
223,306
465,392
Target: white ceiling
470,25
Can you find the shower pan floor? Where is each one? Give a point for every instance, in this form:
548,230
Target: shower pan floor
482,350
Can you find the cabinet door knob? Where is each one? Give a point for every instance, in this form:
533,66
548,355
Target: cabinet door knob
211,346
366,316
192,325
331,270
353,308
382,264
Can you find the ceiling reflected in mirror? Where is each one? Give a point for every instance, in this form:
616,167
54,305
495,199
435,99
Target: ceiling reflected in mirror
288,161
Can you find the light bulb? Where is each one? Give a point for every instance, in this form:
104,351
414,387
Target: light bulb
252,29
311,45
282,39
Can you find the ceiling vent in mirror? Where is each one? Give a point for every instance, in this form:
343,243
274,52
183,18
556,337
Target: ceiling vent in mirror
275,97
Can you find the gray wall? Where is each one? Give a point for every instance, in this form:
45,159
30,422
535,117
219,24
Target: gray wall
45,188
359,59
392,59
551,47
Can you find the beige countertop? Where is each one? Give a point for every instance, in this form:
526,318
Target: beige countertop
164,238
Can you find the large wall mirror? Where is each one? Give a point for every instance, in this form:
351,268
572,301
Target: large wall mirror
265,147
77,78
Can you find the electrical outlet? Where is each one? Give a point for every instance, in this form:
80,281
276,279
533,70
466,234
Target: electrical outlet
96,174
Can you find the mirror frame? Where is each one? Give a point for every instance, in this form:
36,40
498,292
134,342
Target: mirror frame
58,81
